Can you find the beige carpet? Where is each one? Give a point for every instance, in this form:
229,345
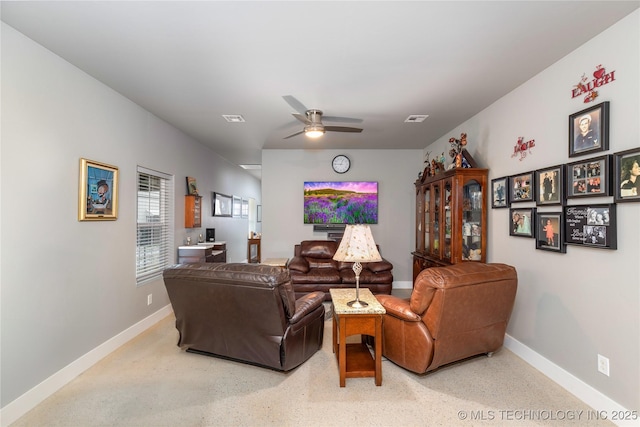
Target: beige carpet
150,382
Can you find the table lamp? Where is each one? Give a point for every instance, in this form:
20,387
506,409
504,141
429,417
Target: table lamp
357,246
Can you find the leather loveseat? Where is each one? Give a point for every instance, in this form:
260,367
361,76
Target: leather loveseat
245,312
313,269
454,312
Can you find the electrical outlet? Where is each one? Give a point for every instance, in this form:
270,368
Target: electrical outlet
150,300
603,365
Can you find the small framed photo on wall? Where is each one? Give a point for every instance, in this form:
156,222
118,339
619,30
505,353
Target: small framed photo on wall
521,187
98,191
499,192
627,175
549,226
550,185
589,130
591,225
589,178
522,222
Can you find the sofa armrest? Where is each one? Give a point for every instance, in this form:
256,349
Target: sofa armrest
398,307
306,304
299,263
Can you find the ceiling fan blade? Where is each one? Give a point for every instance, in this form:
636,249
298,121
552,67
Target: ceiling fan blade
342,129
297,105
341,119
302,118
293,134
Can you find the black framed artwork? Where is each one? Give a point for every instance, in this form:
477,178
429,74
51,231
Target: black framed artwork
521,187
522,222
499,192
550,185
591,225
549,228
626,172
589,130
589,178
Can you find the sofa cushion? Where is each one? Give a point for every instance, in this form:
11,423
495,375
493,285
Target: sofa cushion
316,275
299,263
318,248
322,263
376,267
366,276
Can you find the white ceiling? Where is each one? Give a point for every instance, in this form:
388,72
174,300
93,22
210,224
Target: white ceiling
191,62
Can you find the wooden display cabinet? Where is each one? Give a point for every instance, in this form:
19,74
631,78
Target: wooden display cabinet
192,211
451,218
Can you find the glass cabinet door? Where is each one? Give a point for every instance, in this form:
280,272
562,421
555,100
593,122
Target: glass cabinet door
419,210
472,221
446,198
435,247
427,219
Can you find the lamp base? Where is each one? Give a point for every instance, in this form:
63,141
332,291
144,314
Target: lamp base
357,304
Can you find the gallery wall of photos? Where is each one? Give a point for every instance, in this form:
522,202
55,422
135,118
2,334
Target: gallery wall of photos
614,175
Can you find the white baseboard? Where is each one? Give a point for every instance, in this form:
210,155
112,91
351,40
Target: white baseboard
583,391
29,400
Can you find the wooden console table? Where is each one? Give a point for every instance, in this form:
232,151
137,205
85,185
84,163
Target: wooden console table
355,360
203,252
253,256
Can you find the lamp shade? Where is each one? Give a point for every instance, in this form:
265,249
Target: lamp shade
357,245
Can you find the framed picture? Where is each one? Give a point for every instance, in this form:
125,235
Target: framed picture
222,204
245,208
522,222
192,187
589,130
98,191
521,187
591,225
550,186
589,178
627,176
499,192
549,226
237,206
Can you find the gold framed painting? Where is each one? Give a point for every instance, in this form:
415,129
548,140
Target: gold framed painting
98,191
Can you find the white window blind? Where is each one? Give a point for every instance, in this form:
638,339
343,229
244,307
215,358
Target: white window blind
154,224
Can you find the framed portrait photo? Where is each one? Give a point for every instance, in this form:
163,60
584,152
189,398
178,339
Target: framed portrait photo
591,225
549,228
627,176
521,187
550,185
589,178
499,192
98,191
589,130
522,222
221,204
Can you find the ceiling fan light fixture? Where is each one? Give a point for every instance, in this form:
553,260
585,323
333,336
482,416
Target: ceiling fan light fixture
314,131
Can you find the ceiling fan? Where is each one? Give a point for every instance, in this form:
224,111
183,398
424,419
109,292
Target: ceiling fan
312,120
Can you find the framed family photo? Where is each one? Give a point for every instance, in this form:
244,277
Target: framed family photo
221,204
521,187
589,178
591,225
627,175
499,192
549,227
550,185
522,223
98,191
589,130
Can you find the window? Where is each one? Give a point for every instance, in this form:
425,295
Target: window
154,224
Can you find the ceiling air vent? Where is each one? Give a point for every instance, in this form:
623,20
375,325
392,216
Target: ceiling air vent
233,118
416,118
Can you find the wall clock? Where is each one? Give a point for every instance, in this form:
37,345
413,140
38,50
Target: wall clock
341,163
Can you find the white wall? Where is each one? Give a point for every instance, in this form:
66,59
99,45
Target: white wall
570,307
283,175
69,286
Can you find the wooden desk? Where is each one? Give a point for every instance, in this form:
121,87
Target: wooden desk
355,360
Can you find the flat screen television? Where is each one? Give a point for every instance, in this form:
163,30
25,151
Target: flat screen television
343,202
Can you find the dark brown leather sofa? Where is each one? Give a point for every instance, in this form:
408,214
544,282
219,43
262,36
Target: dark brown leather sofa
313,269
454,312
245,312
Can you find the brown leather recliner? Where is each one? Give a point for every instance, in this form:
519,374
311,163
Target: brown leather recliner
454,312
245,312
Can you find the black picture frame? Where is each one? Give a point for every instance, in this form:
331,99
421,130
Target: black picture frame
591,225
221,204
521,187
594,137
522,222
589,178
500,193
626,188
549,232
550,186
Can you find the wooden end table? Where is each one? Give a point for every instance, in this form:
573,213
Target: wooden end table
354,359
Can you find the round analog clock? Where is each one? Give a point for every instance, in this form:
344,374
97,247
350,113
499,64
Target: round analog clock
341,163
